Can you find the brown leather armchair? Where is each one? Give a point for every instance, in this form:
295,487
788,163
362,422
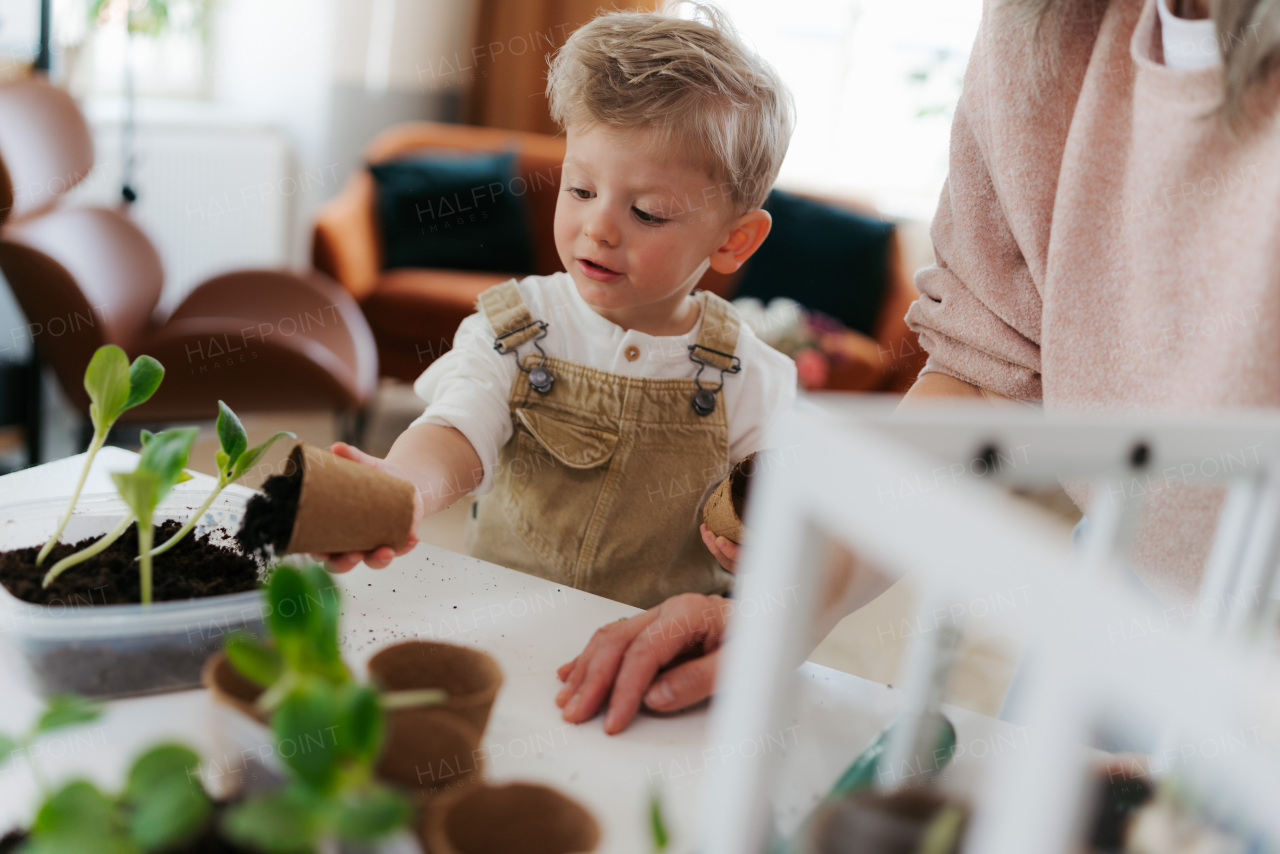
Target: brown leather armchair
414,313
84,277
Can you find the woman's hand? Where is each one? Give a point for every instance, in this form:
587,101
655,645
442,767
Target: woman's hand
623,662
379,557
726,551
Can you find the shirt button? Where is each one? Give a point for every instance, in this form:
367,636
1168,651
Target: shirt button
633,353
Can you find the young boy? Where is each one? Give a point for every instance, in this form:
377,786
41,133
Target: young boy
590,410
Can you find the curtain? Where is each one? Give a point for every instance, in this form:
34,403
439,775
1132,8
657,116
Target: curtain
509,57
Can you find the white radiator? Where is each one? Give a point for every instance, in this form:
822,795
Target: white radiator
212,199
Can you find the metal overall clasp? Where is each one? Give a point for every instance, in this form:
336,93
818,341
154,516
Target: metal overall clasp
540,378
704,399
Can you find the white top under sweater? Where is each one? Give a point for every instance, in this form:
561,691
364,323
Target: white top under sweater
469,387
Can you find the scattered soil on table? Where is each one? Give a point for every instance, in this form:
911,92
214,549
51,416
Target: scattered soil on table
195,568
11,840
268,520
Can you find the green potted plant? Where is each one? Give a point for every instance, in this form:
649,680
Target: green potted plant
96,607
431,746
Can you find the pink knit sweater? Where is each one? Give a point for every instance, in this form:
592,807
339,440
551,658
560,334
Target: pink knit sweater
1103,245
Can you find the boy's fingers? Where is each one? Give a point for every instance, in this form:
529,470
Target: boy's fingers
565,669
689,683
728,548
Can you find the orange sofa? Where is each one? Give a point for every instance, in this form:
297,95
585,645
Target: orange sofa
414,313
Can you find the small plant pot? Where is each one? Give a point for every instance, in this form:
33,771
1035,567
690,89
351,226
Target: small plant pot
876,823
326,504
83,646
517,818
727,507
470,677
244,757
428,750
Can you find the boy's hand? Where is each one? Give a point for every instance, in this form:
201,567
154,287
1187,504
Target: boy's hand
664,659
379,557
726,551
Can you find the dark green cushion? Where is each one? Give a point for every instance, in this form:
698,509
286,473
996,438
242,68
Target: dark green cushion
824,258
453,212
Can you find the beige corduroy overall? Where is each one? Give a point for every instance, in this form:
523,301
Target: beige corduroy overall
600,483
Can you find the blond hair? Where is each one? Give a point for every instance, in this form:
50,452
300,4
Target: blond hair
692,82
1248,34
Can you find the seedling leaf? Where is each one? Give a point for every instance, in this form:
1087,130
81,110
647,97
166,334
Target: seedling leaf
255,661
139,490
162,766
657,824
278,823
169,803
165,455
231,435
324,631
305,721
360,726
290,618
369,815
145,375
64,710
107,382
77,809
250,458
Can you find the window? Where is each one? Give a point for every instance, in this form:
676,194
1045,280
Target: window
875,84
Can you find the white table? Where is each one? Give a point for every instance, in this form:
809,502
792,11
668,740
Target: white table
531,626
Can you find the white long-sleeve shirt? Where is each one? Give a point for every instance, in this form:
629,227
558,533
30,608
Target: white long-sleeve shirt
468,388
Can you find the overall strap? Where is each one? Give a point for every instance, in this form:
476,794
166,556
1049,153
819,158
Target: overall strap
719,333
506,311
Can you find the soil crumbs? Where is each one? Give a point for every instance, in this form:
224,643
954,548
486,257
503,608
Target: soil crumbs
194,568
268,520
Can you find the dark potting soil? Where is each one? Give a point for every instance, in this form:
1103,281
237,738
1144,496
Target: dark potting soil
739,485
193,569
11,840
268,520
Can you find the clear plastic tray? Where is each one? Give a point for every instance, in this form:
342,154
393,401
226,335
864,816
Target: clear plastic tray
107,651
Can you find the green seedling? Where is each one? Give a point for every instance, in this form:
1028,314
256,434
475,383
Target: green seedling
234,458
106,539
331,793
162,805
334,726
159,469
60,711
302,618
114,386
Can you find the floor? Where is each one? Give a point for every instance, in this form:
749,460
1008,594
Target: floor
869,643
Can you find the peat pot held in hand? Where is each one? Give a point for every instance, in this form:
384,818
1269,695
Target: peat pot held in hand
86,632
727,506
517,818
324,504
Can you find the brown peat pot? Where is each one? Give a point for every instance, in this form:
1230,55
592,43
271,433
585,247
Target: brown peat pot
470,677
326,504
727,507
517,818
228,687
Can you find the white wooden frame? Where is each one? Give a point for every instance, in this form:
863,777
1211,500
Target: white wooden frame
967,538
